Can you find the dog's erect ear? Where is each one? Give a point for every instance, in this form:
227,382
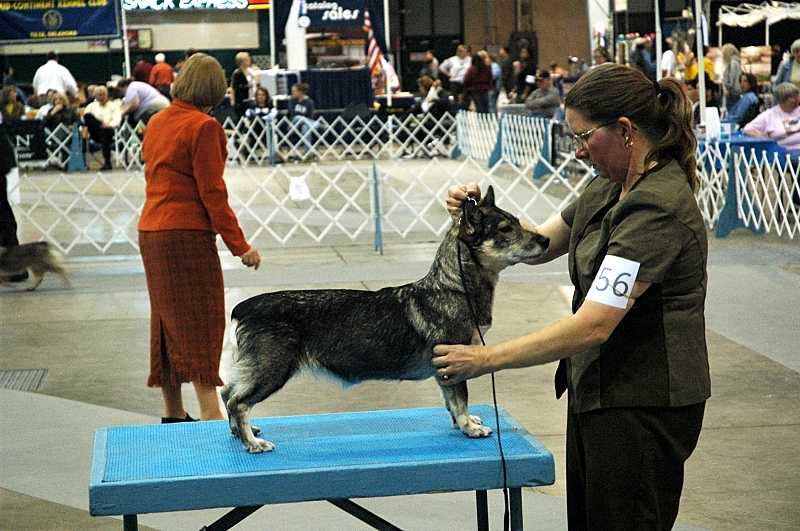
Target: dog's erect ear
470,220
488,199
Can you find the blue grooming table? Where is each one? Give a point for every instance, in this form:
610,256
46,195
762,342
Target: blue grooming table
199,465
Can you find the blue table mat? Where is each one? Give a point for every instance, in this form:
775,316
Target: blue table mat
331,441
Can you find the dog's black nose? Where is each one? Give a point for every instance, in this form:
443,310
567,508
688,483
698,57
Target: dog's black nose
544,241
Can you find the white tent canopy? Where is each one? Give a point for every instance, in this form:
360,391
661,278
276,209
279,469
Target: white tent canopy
745,15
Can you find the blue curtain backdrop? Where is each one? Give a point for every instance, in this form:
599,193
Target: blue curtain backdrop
376,14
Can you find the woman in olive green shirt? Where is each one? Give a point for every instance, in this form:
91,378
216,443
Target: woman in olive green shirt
633,355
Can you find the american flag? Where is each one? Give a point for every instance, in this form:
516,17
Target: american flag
374,54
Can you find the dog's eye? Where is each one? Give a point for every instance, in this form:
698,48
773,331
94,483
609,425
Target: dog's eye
505,228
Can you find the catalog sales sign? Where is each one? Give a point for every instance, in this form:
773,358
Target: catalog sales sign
25,21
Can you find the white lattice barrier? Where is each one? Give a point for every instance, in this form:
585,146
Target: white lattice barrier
768,191
526,139
712,168
477,134
413,193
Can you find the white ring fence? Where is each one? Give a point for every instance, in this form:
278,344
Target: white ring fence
372,180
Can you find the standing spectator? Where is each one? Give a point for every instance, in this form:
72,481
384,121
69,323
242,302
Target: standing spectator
731,88
162,75
142,69
430,66
640,58
12,108
497,81
53,76
669,62
186,206
789,71
301,113
243,83
525,72
140,100
746,107
776,59
544,101
454,69
8,76
687,62
101,117
506,70
477,84
600,56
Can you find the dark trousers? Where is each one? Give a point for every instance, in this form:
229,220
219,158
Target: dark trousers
481,100
102,135
8,224
625,466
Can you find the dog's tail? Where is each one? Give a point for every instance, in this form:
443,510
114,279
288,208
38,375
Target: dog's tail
233,341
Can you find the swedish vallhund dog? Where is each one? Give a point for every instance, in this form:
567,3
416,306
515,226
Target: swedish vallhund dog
378,335
38,258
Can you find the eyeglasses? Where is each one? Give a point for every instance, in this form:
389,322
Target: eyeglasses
581,140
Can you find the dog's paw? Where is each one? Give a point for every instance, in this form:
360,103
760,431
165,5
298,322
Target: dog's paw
476,419
476,431
257,446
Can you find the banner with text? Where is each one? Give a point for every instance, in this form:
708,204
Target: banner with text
337,14
25,21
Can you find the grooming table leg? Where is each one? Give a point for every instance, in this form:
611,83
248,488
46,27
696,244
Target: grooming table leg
130,522
232,518
516,509
482,506
364,515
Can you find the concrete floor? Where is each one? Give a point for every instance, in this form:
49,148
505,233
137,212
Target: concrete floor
93,340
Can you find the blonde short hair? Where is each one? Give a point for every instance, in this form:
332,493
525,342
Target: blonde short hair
240,57
201,81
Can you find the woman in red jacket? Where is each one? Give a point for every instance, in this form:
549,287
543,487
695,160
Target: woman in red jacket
186,206
478,83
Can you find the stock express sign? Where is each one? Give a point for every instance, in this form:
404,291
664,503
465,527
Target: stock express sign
178,5
58,20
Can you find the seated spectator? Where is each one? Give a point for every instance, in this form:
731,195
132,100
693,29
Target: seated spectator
140,101
601,56
433,98
101,117
301,112
12,108
544,101
781,122
60,111
693,93
746,107
162,75
262,106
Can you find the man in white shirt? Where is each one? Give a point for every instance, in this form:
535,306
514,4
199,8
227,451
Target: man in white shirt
101,117
53,76
455,68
